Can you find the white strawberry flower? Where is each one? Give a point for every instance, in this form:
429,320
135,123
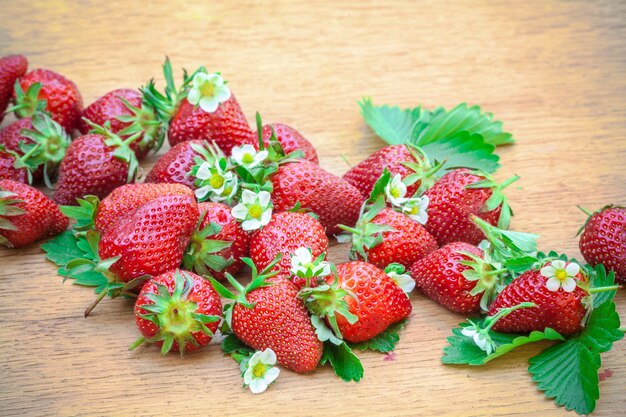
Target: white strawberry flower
416,208
403,281
247,156
254,211
481,339
215,184
560,274
261,371
208,91
303,265
395,191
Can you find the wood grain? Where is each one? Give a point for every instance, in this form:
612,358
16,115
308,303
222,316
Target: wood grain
553,71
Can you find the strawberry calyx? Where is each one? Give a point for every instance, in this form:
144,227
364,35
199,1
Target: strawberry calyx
424,170
84,214
497,196
215,179
591,213
312,271
145,121
200,255
27,103
487,274
9,209
175,316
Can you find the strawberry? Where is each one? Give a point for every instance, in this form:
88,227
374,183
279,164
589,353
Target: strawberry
269,314
559,292
12,67
383,236
42,89
375,301
218,243
407,160
127,113
175,165
203,109
330,197
291,140
177,310
457,276
457,196
8,169
95,164
36,144
27,215
284,234
603,240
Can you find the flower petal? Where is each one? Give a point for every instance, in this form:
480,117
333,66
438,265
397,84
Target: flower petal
264,198
572,270
252,224
271,375
202,192
468,331
569,285
268,357
558,264
303,255
266,216
193,96
553,284
204,172
257,385
208,104
240,211
248,197
548,271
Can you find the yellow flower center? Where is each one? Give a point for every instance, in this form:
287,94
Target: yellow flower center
561,275
414,210
216,181
207,89
256,211
259,370
395,192
247,158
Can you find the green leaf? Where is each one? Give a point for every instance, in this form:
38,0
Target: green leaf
568,372
232,344
520,264
462,118
345,363
599,278
63,248
463,351
463,150
385,341
392,124
89,278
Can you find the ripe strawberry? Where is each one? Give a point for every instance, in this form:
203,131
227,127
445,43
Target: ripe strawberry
203,109
12,67
328,196
27,215
95,164
383,236
36,145
8,169
177,310
457,196
407,160
286,232
269,314
43,89
127,113
379,301
291,140
457,276
561,310
603,240
175,165
218,243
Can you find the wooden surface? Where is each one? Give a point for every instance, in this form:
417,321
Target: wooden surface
553,72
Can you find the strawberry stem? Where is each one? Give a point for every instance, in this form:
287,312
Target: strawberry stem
509,181
136,343
93,305
603,289
584,210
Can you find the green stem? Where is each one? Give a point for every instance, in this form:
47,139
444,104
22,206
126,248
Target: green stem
93,305
137,343
509,181
494,272
505,312
584,210
603,289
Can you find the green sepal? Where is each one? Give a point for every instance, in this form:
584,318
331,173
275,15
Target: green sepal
27,103
345,363
384,342
200,255
84,214
8,208
144,121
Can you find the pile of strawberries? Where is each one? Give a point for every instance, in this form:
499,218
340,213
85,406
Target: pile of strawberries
224,197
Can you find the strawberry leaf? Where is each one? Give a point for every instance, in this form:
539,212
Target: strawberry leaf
392,124
384,342
462,350
345,363
64,248
568,372
463,150
599,278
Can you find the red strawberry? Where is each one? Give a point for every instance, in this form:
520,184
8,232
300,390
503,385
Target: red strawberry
129,197
36,144
27,215
328,196
291,140
178,311
128,114
175,165
203,109
286,232
43,89
95,164
218,244
12,67
457,196
269,314
383,236
457,277
8,170
561,310
408,161
603,240
380,301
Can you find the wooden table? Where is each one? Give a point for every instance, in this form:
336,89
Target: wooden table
555,73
